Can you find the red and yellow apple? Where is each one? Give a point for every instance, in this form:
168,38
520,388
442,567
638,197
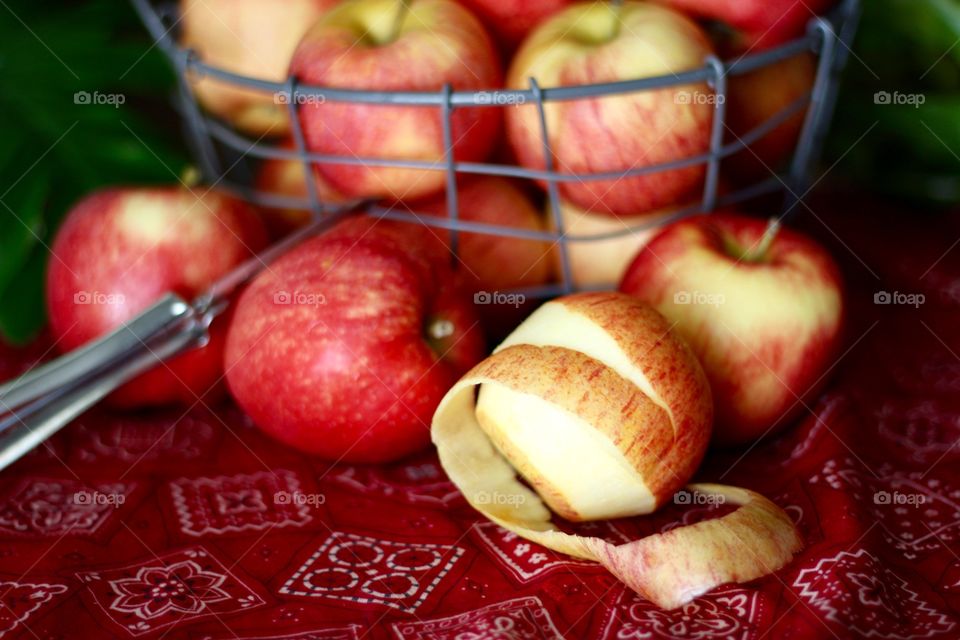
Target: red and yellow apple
512,20
120,250
490,265
759,24
253,38
548,393
396,45
345,345
592,43
755,98
490,262
602,263
605,412
762,308
288,178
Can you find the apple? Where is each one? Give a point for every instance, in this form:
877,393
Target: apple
756,97
592,43
493,266
605,412
253,38
490,262
121,249
396,45
345,345
288,178
573,359
762,308
759,24
602,263
512,20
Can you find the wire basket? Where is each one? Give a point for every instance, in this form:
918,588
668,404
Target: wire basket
229,159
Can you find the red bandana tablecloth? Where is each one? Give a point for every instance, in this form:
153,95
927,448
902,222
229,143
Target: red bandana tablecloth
194,525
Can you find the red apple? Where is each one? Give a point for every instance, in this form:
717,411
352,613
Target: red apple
760,24
761,307
512,20
492,265
595,43
289,178
345,345
396,45
602,263
119,250
490,262
758,96
253,38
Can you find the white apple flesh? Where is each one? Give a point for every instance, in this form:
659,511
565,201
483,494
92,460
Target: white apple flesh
540,439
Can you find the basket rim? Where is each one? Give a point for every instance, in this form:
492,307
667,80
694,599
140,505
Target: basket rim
188,60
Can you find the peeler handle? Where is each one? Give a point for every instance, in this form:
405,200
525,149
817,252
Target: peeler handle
39,403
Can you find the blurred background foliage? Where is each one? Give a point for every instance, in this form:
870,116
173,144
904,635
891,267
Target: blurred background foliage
909,47
54,150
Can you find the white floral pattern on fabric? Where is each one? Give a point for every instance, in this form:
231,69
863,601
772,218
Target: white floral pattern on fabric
867,599
364,570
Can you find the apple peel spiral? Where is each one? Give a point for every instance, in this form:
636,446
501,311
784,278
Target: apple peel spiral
605,413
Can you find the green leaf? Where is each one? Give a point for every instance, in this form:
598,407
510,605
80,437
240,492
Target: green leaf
21,224
22,308
62,147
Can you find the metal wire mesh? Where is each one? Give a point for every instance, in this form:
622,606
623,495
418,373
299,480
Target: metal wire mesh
229,158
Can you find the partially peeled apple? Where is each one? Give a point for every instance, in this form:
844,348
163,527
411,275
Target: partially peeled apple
605,412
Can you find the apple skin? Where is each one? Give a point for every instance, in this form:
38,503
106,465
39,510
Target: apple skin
125,248
375,45
616,133
486,263
761,23
605,412
768,337
289,178
512,20
253,38
755,98
602,263
352,376
491,262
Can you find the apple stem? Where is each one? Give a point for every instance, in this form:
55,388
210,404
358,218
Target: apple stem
440,329
190,176
759,252
402,9
616,9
